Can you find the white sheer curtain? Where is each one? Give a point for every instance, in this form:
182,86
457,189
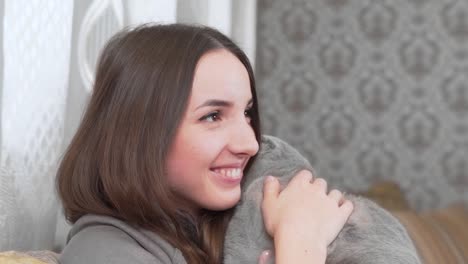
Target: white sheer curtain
47,61
36,51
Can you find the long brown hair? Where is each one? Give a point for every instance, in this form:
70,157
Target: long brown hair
114,165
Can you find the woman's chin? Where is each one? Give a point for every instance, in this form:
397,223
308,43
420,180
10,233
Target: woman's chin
224,201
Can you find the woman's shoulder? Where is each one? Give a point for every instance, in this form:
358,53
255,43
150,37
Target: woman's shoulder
102,239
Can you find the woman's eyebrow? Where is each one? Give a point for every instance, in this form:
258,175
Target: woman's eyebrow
215,102
220,103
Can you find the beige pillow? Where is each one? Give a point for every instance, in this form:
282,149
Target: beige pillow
32,257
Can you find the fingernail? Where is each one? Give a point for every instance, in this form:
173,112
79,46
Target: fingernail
267,253
269,178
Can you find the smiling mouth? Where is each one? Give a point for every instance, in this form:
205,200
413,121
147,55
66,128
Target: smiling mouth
231,173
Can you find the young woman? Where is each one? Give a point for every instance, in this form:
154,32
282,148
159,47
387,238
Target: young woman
156,165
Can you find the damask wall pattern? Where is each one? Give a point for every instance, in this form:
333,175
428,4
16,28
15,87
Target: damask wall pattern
370,90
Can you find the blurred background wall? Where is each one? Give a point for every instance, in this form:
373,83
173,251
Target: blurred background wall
370,91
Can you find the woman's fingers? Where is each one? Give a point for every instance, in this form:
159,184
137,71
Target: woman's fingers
264,257
347,208
304,177
271,190
336,196
320,185
303,202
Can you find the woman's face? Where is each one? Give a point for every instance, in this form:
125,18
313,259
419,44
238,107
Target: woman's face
215,140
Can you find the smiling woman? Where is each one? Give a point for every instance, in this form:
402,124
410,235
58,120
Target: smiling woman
171,126
207,173
156,166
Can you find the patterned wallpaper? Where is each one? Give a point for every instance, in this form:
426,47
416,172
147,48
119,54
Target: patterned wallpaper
370,90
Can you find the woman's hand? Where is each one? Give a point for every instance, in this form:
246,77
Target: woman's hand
303,215
265,257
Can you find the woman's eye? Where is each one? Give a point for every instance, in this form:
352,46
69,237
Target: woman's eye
211,117
248,113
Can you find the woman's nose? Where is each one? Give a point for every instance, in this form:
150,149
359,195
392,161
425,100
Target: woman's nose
243,140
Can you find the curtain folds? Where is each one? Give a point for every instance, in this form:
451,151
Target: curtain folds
36,57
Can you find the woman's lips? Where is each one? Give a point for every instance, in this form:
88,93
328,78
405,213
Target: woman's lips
230,176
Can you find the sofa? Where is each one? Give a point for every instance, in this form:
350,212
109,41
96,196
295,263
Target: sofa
440,235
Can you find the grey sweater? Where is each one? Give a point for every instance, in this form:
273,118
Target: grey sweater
105,240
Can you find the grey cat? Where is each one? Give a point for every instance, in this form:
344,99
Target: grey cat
371,235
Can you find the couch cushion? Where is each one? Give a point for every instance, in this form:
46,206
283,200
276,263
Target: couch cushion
440,236
30,257
388,195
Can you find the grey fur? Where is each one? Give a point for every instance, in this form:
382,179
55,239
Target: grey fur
371,235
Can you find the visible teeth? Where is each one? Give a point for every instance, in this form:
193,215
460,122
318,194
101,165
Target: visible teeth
230,173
